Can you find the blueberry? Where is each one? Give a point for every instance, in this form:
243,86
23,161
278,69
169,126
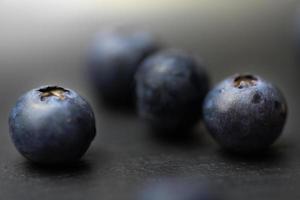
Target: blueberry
50,125
177,189
113,59
170,88
245,113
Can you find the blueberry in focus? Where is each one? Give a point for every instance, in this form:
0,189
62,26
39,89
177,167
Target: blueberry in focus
170,88
51,125
113,59
245,113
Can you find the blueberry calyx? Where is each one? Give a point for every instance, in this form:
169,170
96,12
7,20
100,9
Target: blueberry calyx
244,81
49,91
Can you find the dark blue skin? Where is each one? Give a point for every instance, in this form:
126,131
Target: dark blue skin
113,59
51,125
170,88
176,189
245,113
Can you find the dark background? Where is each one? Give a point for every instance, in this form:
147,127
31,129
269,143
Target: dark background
44,42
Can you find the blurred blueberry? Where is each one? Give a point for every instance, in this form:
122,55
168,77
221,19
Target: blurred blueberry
113,59
50,125
170,88
245,113
177,189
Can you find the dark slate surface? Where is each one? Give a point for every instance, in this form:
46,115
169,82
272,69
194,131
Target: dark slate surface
44,43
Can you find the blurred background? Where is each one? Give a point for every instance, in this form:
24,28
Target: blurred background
44,42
